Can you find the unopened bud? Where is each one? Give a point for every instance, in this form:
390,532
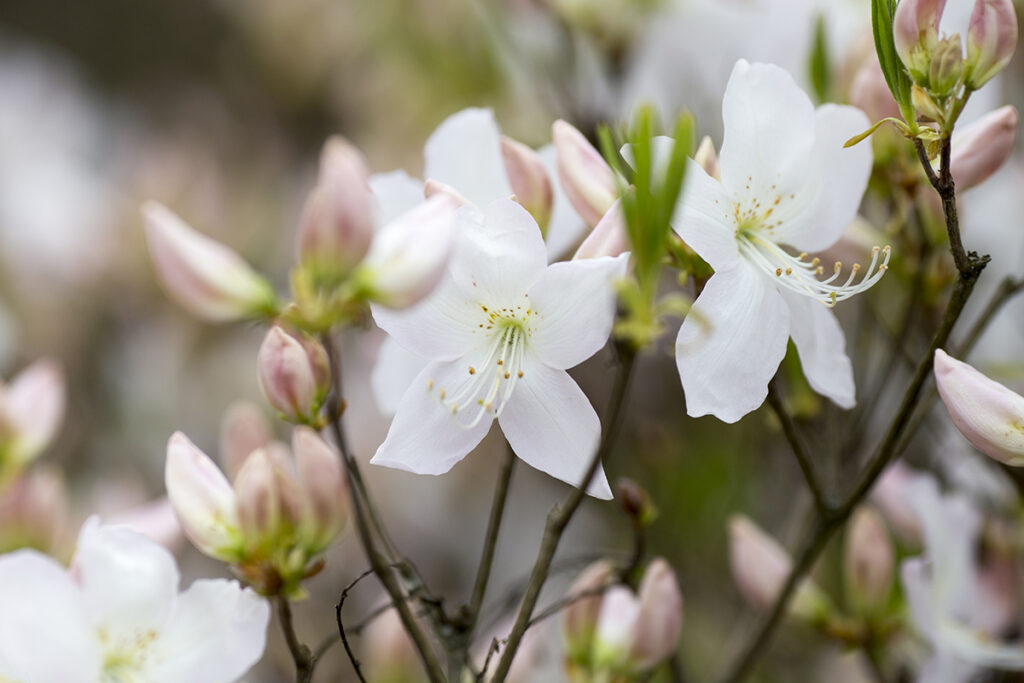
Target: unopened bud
388,652
634,501
915,32
707,158
579,624
322,486
988,414
33,512
259,501
529,180
31,410
608,238
409,255
294,374
891,497
924,104
947,66
870,93
980,149
991,40
203,500
657,628
869,561
204,276
586,178
337,223
243,429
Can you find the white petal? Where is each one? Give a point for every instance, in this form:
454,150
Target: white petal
425,437
551,425
565,229
575,305
129,582
975,648
218,631
465,152
499,258
725,369
394,193
393,374
703,218
769,130
827,202
45,636
822,347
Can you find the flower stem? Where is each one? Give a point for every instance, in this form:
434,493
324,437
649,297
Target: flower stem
303,658
802,457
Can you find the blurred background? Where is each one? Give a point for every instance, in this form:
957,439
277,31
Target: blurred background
218,108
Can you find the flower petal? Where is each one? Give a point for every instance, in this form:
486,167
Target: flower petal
35,406
551,425
725,370
822,347
565,228
216,634
394,193
425,436
465,152
45,635
703,218
575,304
393,374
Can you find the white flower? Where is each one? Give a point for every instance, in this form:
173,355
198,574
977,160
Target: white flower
499,332
786,182
116,615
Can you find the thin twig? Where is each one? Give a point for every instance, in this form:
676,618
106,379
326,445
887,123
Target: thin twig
560,516
303,658
341,625
802,457
483,572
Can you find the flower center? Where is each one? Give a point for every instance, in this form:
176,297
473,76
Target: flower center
124,658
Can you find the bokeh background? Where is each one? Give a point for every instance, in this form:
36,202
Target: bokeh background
218,109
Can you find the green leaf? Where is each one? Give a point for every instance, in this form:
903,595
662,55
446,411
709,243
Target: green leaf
896,122
820,66
882,12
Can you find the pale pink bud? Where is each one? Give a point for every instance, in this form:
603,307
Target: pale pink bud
616,624
980,149
202,499
915,29
321,479
259,501
410,254
202,275
988,414
586,178
34,512
432,188
707,158
608,238
661,617
294,374
243,429
870,93
336,228
388,653
529,180
580,621
155,520
890,495
869,560
31,411
991,39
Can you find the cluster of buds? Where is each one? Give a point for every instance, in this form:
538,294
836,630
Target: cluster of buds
31,410
613,634
345,258
281,513
295,375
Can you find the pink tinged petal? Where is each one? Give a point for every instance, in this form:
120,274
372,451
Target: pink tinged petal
394,193
661,616
154,520
620,611
243,429
551,425
204,276
337,224
566,228
580,620
988,414
529,180
202,498
409,255
869,560
704,218
34,511
260,508
34,405
731,344
433,188
916,24
45,633
216,634
465,152
287,376
981,149
425,436
826,202
322,485
586,178
393,374
870,93
991,39
890,495
821,345
574,303
608,238
129,583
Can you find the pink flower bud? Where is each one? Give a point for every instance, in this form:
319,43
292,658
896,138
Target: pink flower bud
31,410
203,500
916,31
243,429
294,374
991,39
433,188
869,561
202,275
890,495
988,414
586,178
259,501
707,158
34,512
980,149
580,621
608,238
337,223
388,653
661,617
322,486
529,180
410,254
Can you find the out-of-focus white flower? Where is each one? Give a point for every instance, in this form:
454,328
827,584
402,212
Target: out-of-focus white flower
500,331
31,410
117,615
786,182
